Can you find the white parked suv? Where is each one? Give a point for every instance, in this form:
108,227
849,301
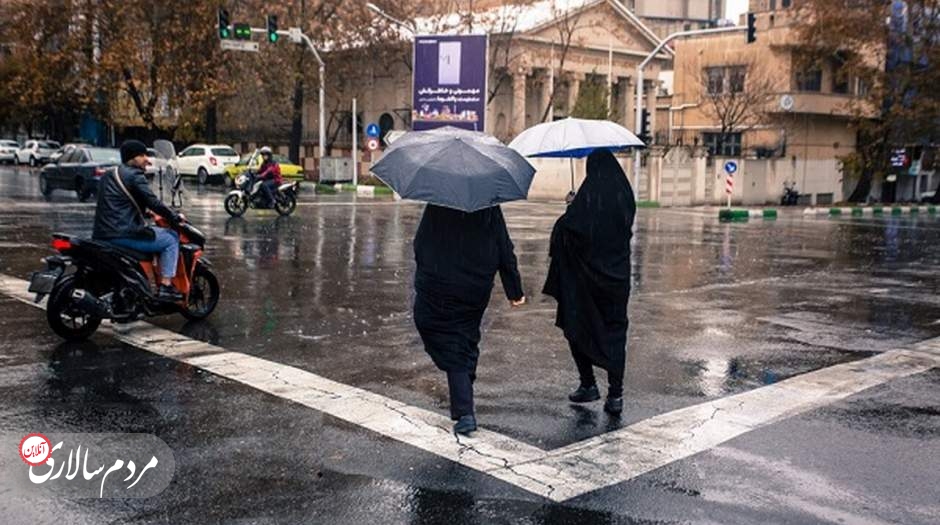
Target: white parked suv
8,149
37,152
205,161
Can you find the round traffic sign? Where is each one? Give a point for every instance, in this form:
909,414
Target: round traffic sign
731,166
373,130
372,144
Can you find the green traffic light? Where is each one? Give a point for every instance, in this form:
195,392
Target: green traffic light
272,37
225,33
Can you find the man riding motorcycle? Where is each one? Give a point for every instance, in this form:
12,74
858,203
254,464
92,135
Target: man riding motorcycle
123,197
270,173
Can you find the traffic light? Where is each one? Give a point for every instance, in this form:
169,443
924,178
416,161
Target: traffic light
751,27
225,29
242,31
272,29
645,125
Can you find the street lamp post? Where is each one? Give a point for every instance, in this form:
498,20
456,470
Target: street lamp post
322,97
297,36
638,122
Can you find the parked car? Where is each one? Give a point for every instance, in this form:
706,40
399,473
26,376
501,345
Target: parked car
927,196
205,161
289,170
65,149
8,149
78,170
36,152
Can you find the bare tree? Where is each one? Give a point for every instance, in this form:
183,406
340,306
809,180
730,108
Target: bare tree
736,97
567,25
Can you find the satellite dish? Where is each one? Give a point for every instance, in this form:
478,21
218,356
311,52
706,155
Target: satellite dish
786,102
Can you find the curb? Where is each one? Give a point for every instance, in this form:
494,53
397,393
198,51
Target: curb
743,215
733,215
365,191
324,189
860,211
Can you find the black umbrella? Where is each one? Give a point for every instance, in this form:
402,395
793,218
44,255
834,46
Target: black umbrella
459,169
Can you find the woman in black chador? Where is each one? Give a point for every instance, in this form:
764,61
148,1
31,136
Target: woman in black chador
458,255
589,276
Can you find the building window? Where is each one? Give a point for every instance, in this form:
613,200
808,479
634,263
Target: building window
730,147
716,80
736,78
723,80
840,82
861,87
809,80
785,3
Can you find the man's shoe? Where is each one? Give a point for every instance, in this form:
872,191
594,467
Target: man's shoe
465,425
584,394
168,293
614,406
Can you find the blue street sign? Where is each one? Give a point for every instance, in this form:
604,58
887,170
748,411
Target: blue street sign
372,130
731,166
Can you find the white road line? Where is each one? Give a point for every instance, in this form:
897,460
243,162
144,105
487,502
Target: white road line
558,474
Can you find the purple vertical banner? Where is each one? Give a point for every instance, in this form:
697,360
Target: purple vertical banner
449,85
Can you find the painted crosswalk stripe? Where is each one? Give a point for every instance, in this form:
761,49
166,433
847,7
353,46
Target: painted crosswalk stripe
558,474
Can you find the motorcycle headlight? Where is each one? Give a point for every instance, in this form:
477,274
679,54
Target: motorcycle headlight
240,180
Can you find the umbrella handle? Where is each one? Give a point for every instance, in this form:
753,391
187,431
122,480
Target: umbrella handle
571,164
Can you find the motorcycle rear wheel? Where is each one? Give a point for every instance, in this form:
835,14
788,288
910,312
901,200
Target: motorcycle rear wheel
235,205
203,295
64,318
285,205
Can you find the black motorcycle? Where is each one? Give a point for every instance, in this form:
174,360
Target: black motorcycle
790,197
248,194
90,281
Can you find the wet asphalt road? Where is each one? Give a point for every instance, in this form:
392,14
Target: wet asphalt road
717,309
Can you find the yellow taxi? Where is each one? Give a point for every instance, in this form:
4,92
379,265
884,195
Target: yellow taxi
289,170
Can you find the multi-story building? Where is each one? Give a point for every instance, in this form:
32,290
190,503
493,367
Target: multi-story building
668,16
799,118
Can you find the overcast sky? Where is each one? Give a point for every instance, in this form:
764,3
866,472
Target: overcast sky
734,8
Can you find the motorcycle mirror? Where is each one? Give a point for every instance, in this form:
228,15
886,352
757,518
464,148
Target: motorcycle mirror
165,149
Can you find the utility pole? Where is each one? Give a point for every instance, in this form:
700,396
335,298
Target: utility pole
355,144
639,84
297,113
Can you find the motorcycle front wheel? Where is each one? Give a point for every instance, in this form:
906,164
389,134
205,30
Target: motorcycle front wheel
203,295
285,205
235,205
65,318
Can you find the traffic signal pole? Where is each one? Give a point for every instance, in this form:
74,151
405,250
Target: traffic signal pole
296,36
639,85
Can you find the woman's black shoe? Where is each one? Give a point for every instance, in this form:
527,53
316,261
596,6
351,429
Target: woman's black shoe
613,406
584,394
465,425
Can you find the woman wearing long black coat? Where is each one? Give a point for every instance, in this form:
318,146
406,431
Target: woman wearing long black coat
458,255
589,276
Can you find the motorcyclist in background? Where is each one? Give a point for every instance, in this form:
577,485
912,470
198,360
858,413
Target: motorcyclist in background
270,173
